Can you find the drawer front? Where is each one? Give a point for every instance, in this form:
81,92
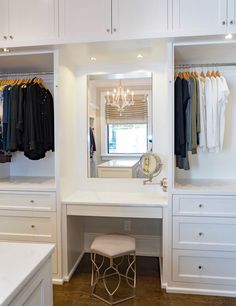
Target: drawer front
40,201
204,233
22,228
224,206
204,267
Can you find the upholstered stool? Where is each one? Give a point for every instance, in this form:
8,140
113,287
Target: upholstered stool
109,249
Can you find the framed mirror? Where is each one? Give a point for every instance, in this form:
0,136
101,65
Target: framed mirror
119,123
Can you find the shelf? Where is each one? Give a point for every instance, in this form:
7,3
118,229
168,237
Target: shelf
18,183
205,186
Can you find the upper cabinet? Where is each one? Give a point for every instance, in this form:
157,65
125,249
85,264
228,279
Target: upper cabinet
203,17
91,20
28,22
84,20
139,18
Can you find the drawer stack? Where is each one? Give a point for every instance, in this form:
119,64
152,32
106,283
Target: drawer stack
29,217
204,240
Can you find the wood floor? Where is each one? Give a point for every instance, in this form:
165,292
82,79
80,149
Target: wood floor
148,292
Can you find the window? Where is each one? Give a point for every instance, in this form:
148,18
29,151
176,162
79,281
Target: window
127,138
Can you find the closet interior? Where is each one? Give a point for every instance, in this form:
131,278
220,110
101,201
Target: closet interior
22,70
210,166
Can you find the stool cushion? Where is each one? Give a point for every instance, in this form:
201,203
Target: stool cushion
113,245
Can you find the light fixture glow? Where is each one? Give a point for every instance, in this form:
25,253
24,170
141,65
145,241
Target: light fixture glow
229,36
93,58
121,97
139,55
6,50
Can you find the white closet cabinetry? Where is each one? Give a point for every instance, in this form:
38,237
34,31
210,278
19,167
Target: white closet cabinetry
88,20
204,244
29,217
139,18
203,17
28,22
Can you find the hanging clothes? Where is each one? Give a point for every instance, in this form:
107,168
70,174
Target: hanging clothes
181,102
92,142
28,119
199,114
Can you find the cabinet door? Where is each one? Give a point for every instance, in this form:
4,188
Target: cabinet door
231,16
85,20
32,20
202,17
3,20
139,18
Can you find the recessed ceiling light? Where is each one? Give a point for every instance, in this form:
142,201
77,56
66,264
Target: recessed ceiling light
229,36
139,55
92,58
6,50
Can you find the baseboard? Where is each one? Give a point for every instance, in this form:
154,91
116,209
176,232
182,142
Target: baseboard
146,245
57,281
201,291
68,277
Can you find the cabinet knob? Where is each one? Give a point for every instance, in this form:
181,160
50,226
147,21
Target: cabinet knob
200,268
231,22
31,201
5,37
200,234
108,30
11,37
114,30
223,22
200,205
32,226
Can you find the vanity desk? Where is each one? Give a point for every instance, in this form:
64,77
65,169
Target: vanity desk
102,204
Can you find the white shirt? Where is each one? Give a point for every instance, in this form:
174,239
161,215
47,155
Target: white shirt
221,110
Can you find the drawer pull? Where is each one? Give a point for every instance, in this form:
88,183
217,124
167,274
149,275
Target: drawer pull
31,201
200,268
32,226
200,205
200,234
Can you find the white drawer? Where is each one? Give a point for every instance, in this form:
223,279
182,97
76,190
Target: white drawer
23,228
224,206
204,233
38,201
204,267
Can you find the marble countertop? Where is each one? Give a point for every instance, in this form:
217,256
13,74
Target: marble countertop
117,198
119,163
18,263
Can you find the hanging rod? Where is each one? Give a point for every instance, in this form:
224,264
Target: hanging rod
26,73
205,65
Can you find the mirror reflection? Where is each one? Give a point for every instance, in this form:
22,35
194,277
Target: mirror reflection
119,123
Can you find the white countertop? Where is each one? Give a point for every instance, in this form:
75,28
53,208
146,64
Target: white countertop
117,198
205,186
18,263
119,163
18,183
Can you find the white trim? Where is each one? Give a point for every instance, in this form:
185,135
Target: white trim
68,277
201,291
58,281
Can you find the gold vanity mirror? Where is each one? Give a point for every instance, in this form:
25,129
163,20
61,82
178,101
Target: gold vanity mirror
119,123
150,165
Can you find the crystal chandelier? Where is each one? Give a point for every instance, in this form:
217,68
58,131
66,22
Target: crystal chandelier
120,98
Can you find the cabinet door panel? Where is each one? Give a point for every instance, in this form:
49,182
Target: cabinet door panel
85,20
231,16
3,19
204,17
32,20
139,18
